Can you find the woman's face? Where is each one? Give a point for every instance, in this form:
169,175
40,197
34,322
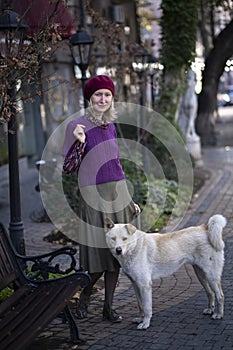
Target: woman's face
101,101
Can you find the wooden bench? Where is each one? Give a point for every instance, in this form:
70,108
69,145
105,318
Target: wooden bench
37,299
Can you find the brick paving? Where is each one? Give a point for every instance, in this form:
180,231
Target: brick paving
178,300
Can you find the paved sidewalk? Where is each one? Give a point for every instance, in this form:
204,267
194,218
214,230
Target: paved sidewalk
178,300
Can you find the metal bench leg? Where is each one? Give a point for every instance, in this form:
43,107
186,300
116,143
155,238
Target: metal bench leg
74,333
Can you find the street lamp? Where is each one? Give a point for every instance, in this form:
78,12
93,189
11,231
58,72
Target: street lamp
140,63
153,66
139,66
12,34
81,44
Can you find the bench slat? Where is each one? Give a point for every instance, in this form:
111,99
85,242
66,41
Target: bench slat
12,300
35,312
35,303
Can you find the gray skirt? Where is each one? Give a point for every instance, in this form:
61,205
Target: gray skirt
108,200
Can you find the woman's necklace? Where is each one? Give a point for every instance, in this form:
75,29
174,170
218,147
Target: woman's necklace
101,123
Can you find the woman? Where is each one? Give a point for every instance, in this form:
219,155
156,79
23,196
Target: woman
90,148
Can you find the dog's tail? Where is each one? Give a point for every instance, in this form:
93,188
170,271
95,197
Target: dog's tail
215,226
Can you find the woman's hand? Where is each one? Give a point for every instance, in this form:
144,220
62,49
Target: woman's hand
137,208
79,133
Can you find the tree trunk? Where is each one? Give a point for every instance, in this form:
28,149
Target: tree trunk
171,93
214,67
206,26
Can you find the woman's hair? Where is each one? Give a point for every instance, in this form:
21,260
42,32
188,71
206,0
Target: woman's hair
96,83
110,115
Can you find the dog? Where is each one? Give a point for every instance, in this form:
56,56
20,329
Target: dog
145,257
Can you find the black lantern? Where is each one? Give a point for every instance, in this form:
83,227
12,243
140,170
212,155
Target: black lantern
81,44
140,63
12,34
139,66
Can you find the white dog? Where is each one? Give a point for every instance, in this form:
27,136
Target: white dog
145,257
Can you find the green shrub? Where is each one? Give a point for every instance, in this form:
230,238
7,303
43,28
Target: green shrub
6,293
156,197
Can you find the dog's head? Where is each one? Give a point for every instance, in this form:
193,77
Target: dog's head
119,237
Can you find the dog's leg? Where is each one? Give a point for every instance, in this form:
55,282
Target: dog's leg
216,286
209,292
145,292
137,294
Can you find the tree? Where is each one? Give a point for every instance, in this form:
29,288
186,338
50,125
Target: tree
215,62
22,69
179,26
19,65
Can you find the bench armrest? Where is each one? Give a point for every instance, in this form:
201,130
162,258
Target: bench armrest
49,265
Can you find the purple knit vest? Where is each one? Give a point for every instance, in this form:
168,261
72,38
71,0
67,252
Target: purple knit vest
100,162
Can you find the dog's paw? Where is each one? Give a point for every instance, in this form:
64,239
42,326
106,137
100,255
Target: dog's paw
216,316
208,311
137,320
144,325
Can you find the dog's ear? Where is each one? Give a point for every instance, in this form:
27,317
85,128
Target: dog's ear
108,224
130,228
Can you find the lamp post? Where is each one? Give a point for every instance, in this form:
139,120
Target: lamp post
81,44
139,66
12,34
153,67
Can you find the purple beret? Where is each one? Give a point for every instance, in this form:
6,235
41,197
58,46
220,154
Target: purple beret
96,83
